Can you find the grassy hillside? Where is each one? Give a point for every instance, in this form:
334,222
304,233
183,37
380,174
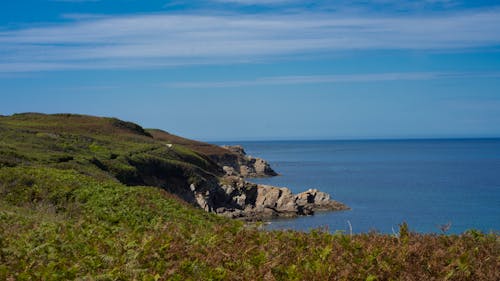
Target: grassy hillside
59,225
66,213
100,147
200,147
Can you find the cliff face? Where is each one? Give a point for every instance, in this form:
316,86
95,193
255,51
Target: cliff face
205,175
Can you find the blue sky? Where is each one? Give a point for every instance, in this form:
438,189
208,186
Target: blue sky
259,69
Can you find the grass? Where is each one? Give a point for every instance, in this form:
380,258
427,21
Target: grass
100,147
59,224
200,147
66,213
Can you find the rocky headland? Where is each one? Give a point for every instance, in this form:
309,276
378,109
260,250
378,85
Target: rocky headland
208,176
233,196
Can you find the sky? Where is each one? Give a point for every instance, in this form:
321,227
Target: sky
219,70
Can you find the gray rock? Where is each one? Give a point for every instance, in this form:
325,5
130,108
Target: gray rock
245,165
318,200
232,196
202,202
238,149
257,202
229,171
246,171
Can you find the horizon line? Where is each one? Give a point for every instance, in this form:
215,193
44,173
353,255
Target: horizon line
358,139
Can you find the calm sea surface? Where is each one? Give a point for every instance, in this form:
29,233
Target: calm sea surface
426,183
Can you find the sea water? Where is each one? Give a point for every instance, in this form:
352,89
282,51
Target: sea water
426,183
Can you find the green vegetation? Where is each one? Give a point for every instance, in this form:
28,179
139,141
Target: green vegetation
68,210
99,147
59,224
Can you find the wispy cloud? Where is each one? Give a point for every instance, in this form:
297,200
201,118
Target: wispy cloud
351,3
164,39
256,2
80,17
341,78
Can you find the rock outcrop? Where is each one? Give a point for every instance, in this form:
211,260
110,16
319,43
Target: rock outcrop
237,162
236,198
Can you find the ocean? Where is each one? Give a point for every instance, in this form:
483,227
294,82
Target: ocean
426,183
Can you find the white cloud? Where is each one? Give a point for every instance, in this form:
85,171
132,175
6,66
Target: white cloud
162,39
340,78
255,2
